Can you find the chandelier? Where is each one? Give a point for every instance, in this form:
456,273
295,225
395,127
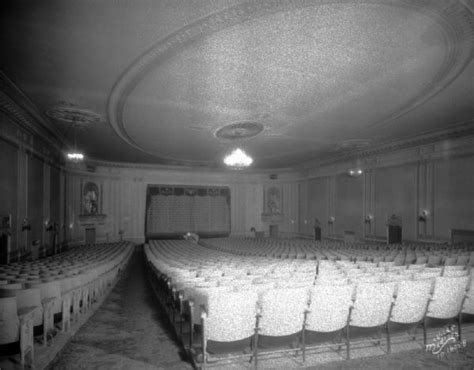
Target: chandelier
238,159
74,155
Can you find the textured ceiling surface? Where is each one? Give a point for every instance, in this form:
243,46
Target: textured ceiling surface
182,82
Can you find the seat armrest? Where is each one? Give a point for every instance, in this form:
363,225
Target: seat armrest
26,313
49,301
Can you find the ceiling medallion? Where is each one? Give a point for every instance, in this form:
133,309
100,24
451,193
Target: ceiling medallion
71,115
239,130
238,159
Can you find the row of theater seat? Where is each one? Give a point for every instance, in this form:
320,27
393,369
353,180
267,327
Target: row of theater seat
37,294
433,254
235,297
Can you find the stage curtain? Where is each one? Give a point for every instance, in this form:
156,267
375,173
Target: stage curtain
175,210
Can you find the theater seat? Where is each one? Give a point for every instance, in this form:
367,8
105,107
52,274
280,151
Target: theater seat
228,317
448,298
372,305
411,302
328,310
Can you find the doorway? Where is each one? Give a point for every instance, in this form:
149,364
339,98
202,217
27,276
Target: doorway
394,234
274,231
90,235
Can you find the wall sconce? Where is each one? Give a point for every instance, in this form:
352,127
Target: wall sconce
368,219
25,225
192,237
48,226
423,216
331,220
355,172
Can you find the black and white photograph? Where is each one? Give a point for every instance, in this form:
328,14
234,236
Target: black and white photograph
236,184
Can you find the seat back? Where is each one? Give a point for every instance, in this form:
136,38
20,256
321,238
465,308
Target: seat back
10,324
230,315
462,260
329,307
450,261
13,286
448,296
420,260
455,273
282,311
49,290
30,298
434,260
411,301
372,304
200,295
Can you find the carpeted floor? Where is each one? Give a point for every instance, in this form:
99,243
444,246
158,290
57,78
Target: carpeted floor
128,331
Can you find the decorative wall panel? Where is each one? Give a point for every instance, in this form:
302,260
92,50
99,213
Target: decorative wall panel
9,185
349,205
317,203
55,195
35,198
453,206
395,193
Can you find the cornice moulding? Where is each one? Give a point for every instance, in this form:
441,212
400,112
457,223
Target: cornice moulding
118,167
423,153
24,114
435,138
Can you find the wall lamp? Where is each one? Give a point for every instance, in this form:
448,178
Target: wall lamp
48,225
355,172
423,216
25,225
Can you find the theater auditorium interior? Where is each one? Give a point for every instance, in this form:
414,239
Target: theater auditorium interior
236,184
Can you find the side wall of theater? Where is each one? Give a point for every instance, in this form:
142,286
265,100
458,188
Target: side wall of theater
437,178
31,186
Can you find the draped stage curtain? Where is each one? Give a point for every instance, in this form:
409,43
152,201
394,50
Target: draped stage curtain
171,211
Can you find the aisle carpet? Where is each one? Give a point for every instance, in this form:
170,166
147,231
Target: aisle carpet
129,331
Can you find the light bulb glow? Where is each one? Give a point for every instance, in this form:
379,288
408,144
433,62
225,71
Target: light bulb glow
75,156
355,172
238,159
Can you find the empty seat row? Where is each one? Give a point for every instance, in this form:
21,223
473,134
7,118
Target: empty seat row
35,295
198,287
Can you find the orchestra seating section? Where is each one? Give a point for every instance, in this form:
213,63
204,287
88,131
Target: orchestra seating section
40,298
247,298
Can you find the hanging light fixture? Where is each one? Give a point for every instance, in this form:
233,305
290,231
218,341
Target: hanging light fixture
74,155
238,159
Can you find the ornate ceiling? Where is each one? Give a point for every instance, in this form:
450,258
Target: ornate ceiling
290,81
